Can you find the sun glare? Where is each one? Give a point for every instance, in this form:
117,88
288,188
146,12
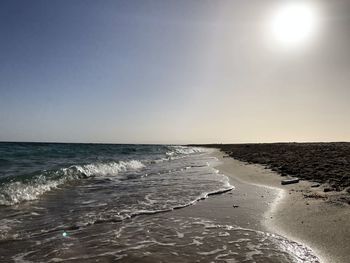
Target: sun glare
294,23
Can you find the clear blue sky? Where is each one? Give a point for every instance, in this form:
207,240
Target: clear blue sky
167,72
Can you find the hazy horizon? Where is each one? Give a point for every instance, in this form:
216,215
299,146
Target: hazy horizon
179,143
174,72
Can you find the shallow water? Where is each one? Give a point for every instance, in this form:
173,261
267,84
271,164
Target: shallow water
102,203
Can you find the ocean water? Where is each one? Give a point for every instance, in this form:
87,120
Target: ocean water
107,203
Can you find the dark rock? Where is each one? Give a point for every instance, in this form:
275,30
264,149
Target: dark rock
328,189
290,181
315,185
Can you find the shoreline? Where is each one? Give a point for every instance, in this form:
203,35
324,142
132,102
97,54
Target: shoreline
321,226
327,165
245,207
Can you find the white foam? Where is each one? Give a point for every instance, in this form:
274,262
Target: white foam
183,150
112,168
207,253
16,192
6,226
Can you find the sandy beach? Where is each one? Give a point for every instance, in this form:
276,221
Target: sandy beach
290,211
175,131
178,209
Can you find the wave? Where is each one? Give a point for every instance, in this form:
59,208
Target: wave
107,218
109,168
140,212
183,150
17,192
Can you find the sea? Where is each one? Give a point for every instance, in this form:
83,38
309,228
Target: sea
116,203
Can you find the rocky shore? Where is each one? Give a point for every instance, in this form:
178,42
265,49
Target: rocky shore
298,211
326,164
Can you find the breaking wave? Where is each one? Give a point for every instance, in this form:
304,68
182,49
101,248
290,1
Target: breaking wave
16,192
183,150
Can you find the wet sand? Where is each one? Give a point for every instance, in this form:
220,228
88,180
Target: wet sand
239,222
296,211
252,204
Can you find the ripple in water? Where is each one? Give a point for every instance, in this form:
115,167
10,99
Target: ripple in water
165,239
102,203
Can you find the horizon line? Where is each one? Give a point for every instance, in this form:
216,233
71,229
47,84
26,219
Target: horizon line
212,143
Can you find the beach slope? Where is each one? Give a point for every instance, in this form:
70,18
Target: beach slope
301,212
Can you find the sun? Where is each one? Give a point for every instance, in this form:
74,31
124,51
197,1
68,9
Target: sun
294,23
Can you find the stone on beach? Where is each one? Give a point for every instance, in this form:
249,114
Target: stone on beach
290,181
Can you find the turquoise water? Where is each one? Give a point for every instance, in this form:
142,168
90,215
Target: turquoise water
29,170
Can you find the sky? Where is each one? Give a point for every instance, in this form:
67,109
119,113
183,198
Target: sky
170,72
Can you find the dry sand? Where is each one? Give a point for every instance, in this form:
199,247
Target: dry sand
296,211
